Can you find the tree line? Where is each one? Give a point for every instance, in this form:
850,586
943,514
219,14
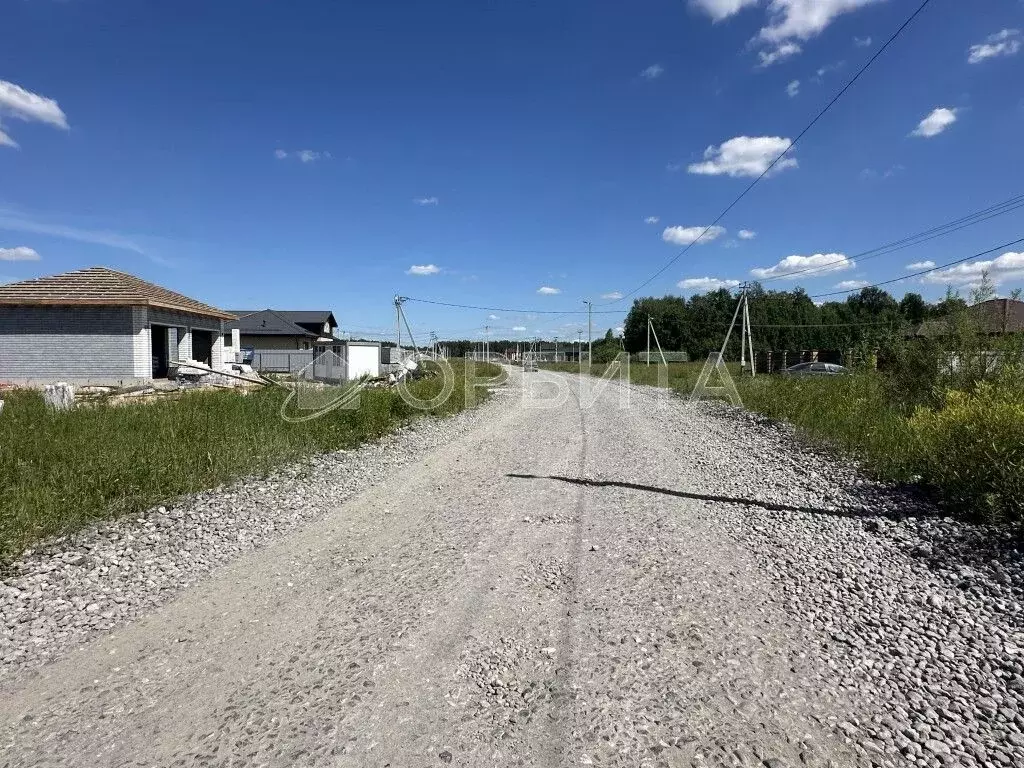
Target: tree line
781,320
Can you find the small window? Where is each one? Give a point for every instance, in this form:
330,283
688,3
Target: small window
227,339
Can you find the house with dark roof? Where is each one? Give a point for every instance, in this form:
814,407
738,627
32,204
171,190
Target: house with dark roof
284,329
288,341
99,325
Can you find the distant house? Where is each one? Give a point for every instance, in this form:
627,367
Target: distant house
994,317
988,319
274,329
99,325
287,341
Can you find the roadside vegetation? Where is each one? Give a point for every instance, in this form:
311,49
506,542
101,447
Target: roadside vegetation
947,414
62,470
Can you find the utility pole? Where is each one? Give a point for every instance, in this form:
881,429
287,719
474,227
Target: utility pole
648,341
750,336
590,331
746,341
398,328
556,349
487,343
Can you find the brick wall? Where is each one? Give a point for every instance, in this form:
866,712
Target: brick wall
72,343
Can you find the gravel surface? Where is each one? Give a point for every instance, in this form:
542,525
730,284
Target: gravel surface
583,584
69,589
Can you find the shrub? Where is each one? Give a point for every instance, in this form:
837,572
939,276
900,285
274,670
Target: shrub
972,448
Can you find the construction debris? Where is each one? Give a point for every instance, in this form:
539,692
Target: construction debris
59,396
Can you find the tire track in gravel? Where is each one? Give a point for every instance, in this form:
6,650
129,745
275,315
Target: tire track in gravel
673,596
560,738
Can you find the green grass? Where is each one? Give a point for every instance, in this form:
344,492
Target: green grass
60,471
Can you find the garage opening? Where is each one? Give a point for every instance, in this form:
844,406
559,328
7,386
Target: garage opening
202,346
161,358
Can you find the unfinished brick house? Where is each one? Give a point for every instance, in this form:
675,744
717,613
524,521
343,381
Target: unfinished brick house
99,325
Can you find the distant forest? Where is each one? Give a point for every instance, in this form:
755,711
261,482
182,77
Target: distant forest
781,320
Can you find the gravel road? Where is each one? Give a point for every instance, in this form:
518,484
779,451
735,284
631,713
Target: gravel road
560,578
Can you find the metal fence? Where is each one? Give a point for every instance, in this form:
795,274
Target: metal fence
325,366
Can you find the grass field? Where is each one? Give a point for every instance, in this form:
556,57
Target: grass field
60,471
964,441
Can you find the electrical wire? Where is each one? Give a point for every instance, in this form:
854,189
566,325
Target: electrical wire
817,325
562,312
999,209
774,162
922,272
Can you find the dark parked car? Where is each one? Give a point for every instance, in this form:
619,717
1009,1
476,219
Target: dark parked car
816,369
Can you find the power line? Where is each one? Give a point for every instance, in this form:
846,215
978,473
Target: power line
923,271
999,209
818,325
799,136
517,311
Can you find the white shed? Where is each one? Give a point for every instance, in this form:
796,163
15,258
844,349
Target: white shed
362,359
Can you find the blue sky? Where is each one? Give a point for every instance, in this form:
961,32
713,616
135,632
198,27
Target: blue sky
310,154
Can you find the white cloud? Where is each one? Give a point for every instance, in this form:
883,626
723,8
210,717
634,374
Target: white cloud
652,220
804,19
423,269
302,155
781,52
938,120
30,107
851,285
547,290
821,263
793,88
719,10
917,266
746,234
24,105
705,284
1006,42
16,221
311,155
426,201
613,296
888,173
493,317
862,42
653,72
819,75
745,156
19,253
1009,266
518,328
689,235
